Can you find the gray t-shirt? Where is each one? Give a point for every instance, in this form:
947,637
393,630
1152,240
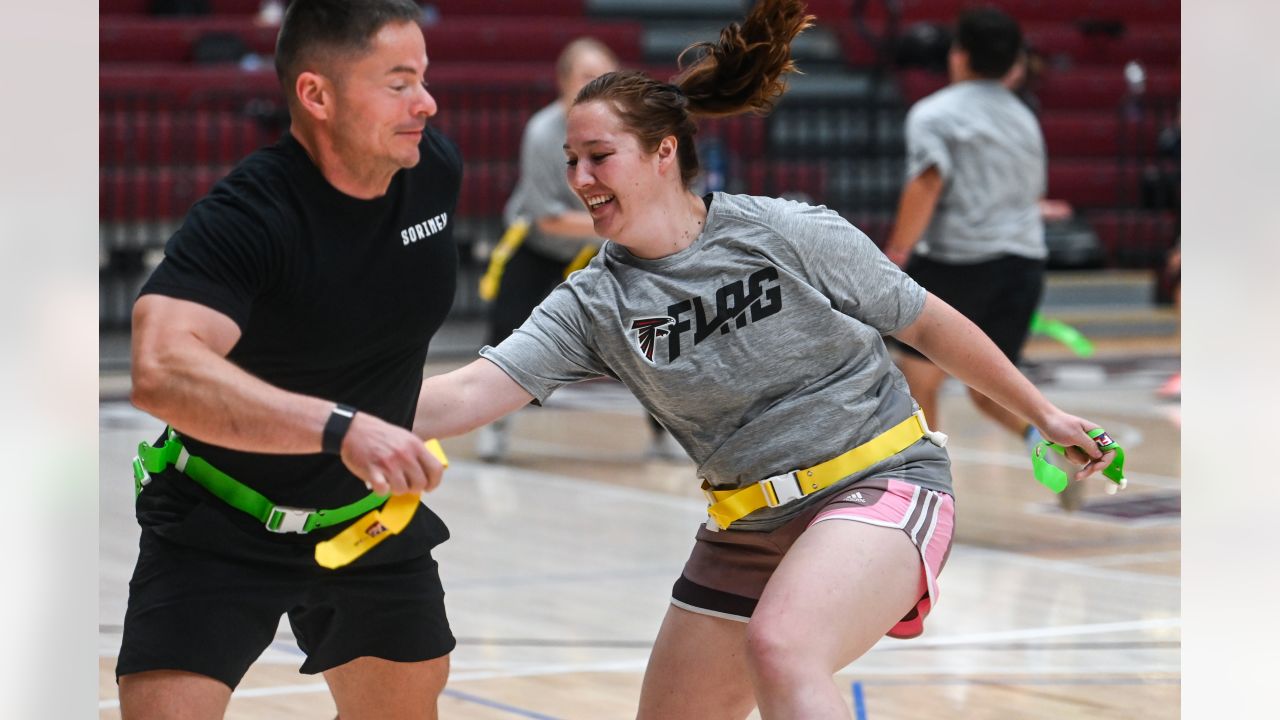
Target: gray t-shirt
758,347
542,190
989,150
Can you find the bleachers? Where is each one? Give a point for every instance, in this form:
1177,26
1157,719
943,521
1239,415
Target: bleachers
127,39
1085,88
170,127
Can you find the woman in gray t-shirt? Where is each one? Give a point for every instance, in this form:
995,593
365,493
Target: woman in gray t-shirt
752,328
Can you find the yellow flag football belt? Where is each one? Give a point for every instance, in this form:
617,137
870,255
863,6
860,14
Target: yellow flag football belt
728,506
372,528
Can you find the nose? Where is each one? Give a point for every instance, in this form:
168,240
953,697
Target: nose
579,175
425,104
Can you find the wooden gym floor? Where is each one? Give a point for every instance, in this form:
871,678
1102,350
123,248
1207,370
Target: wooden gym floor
1042,614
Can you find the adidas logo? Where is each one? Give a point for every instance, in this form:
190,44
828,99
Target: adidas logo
857,498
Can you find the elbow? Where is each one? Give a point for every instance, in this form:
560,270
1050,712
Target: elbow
147,384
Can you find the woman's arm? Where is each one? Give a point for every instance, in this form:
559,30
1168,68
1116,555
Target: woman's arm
959,347
463,400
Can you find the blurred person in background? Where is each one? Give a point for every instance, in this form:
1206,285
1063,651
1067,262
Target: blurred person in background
559,237
970,222
283,338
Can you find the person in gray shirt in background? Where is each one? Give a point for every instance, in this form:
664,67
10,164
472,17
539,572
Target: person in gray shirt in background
752,328
560,236
969,225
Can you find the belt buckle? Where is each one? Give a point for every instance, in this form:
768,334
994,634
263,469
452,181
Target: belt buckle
284,519
785,492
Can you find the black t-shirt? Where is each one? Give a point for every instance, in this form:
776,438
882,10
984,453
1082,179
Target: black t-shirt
337,298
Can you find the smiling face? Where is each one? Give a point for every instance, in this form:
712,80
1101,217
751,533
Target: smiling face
381,103
617,179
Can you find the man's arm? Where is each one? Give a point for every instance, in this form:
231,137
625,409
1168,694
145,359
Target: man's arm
915,210
463,400
960,348
181,375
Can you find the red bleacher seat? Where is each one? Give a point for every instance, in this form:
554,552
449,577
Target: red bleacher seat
130,39
1091,88
1134,234
1152,45
486,187
163,138
490,8
1084,183
786,178
143,7
510,8
1028,11
147,194
463,39
1081,134
744,136
830,12
488,135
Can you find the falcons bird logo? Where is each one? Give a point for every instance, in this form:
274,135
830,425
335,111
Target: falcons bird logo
648,330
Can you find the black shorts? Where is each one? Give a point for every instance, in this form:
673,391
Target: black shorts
998,295
195,610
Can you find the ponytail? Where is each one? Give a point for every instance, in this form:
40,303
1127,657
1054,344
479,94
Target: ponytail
742,72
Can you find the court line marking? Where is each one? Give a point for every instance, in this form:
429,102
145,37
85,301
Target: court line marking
696,507
311,688
1035,633
638,664
886,682
1147,557
1071,566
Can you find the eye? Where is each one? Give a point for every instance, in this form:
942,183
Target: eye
599,158
571,162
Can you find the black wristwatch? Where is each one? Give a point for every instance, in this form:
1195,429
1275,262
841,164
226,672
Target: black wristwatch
335,429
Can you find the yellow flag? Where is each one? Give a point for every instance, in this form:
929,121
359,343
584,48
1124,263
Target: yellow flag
375,526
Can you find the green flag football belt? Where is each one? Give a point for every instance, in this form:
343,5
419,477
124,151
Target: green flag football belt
1055,478
276,518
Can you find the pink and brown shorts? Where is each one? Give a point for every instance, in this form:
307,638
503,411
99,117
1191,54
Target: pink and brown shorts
727,571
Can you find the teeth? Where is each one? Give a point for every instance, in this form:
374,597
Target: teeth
596,201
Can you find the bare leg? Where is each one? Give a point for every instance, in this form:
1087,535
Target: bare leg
370,688
925,380
839,589
172,695
697,669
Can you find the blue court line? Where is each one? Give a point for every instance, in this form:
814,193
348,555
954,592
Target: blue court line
468,697
859,705
1027,681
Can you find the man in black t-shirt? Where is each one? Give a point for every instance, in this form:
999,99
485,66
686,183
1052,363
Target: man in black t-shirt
283,339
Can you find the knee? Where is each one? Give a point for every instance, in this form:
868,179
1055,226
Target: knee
775,654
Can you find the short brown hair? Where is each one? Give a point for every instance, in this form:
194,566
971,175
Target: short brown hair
312,27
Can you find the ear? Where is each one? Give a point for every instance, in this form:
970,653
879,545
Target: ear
667,155
315,95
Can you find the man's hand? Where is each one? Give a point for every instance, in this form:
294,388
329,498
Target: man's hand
389,459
